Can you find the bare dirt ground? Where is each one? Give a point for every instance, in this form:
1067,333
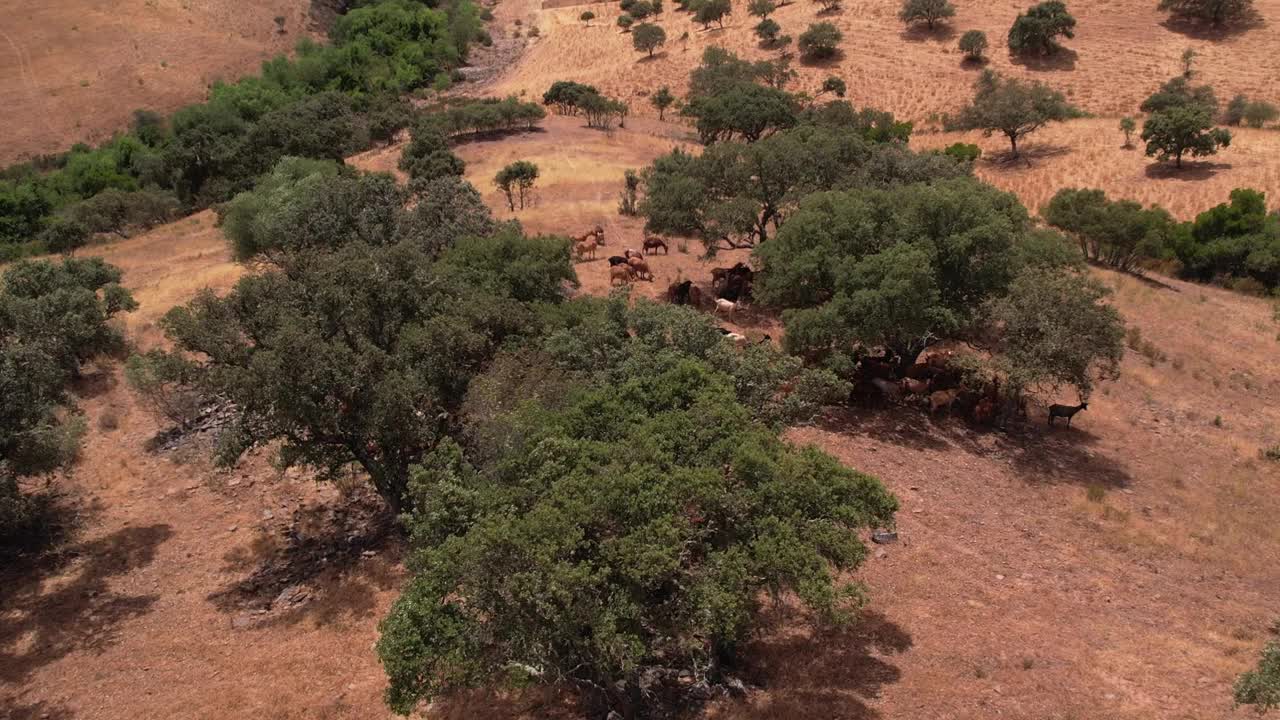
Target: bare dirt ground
195,592
75,70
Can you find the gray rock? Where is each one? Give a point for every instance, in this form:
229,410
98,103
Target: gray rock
884,537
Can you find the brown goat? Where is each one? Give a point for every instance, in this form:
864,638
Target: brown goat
585,248
915,387
625,273
642,268
653,243
942,399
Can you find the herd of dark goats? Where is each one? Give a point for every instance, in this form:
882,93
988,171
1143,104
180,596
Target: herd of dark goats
930,378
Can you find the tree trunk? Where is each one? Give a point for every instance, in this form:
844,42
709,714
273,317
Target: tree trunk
1013,141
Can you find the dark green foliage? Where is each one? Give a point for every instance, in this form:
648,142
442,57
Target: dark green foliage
743,110
165,382
53,317
648,37
662,99
712,11
1056,329
736,194
1239,239
1260,687
820,42
639,9
894,267
1234,114
767,30
833,85
1013,107
1185,130
625,22
120,212
1127,126
391,337
930,12
566,96
1259,113
516,181
1036,32
601,111
1119,233
1179,92
630,194
974,45
761,8
963,152
619,529
1214,12
65,236
428,154
587,16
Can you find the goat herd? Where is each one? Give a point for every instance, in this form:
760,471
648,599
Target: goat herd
933,379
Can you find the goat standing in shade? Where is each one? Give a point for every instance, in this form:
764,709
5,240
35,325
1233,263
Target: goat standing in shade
1066,411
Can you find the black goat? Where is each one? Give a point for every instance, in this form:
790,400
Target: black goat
1066,411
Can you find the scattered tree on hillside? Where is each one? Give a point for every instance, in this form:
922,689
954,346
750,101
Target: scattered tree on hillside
587,16
640,9
712,11
974,45
768,31
1259,113
833,85
966,153
1037,30
625,22
601,111
761,8
929,12
1234,114
1178,92
1214,12
1127,126
566,95
828,6
648,37
1188,59
515,181
1012,107
1186,130
820,42
662,99
630,195
743,110
1260,687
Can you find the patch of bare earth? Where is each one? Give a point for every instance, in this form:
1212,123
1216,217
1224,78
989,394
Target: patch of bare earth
75,70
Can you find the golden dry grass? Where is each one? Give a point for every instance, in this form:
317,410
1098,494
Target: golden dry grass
75,70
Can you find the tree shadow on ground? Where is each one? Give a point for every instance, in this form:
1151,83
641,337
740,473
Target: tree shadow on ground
321,564
1189,172
495,135
821,672
1062,59
1200,30
827,62
1038,453
941,32
1006,160
652,58
61,604
95,383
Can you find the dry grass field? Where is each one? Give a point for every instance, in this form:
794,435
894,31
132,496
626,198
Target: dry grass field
75,70
1125,568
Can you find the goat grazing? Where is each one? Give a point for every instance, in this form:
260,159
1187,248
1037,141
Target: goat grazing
625,273
1066,411
641,267
653,243
585,248
617,260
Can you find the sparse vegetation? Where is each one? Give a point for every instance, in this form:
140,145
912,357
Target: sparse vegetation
516,180
1128,126
630,194
820,42
712,11
648,37
768,31
1013,107
1036,31
587,16
1186,130
1214,12
974,45
662,100
930,12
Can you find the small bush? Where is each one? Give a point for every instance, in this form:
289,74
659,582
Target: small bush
974,45
1273,454
625,22
1217,421
486,14
108,420
587,16
533,32
1096,493
963,152
820,42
